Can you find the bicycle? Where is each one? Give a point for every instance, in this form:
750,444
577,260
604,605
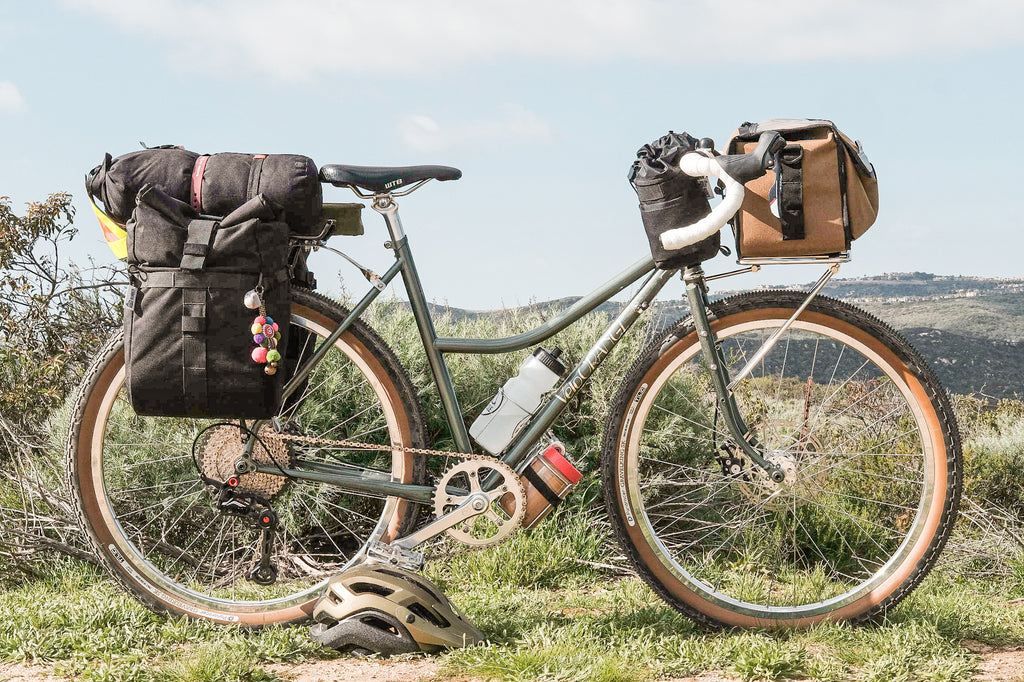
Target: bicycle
775,459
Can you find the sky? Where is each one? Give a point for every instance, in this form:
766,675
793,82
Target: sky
542,104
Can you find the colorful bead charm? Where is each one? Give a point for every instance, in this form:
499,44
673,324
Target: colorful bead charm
265,334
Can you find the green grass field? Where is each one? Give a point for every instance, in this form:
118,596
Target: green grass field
549,617
560,604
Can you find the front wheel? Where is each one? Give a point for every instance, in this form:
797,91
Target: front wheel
156,527
862,429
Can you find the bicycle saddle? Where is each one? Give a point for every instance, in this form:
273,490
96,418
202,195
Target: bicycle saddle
384,178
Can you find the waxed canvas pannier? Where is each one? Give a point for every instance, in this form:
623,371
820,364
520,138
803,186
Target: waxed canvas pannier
189,336
669,199
822,195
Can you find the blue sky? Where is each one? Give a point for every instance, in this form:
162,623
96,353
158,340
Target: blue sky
542,105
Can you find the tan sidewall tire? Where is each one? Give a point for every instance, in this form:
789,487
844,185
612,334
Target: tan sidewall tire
918,560
81,467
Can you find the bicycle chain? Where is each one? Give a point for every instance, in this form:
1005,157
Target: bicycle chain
357,445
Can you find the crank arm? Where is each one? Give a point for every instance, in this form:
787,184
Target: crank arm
475,505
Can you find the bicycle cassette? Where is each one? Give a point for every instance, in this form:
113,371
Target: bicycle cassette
221,445
499,517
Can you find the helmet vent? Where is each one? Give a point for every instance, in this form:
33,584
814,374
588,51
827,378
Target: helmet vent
428,615
419,585
379,623
364,587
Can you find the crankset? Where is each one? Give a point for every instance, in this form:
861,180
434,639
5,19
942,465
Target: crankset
468,513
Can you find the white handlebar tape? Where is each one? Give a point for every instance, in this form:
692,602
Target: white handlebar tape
697,165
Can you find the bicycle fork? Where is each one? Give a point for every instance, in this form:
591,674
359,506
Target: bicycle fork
696,296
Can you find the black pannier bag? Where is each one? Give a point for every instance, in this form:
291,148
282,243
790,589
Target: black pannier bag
214,184
188,332
669,198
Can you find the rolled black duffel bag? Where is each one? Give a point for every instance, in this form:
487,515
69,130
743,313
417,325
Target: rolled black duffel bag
191,344
214,184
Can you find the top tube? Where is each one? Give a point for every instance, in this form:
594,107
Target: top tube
555,324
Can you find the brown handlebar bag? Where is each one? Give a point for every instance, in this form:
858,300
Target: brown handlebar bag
822,194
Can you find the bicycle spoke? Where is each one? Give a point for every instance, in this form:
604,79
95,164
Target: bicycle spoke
842,432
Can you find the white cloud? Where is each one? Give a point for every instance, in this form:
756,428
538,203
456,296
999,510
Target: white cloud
307,38
515,124
11,101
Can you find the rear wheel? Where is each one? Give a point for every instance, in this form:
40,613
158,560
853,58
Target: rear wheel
154,524
860,426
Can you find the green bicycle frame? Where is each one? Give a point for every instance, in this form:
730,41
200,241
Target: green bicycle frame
435,348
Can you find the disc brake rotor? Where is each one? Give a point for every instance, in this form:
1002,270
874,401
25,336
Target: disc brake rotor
799,458
503,515
221,445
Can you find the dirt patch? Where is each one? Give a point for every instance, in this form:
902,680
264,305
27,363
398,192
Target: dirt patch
358,669
1000,666
23,672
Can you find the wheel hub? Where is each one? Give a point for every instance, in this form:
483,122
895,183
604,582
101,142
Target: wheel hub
797,460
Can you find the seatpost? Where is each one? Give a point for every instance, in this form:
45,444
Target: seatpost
388,207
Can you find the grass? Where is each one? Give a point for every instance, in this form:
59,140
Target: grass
549,617
550,613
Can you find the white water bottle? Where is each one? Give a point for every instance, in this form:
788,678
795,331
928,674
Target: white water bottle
517,400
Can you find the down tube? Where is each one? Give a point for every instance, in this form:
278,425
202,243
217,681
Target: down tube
583,371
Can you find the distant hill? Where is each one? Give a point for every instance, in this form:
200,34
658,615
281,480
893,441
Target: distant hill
971,329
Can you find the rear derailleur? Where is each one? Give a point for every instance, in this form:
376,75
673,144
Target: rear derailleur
257,511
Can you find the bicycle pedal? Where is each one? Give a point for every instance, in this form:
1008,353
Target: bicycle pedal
408,559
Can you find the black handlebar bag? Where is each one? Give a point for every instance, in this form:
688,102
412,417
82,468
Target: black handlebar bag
669,198
189,337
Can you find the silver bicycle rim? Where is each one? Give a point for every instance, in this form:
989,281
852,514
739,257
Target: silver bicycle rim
673,529
191,498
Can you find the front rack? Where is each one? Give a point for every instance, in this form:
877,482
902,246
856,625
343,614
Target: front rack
841,257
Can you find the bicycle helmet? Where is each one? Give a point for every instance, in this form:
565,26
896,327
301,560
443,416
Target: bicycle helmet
388,610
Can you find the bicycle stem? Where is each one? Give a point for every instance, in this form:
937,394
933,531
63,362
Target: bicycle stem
696,296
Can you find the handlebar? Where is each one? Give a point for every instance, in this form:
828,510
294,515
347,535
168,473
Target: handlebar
733,170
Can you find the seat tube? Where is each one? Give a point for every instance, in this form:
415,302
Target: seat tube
388,208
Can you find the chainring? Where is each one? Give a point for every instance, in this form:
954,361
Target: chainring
507,506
